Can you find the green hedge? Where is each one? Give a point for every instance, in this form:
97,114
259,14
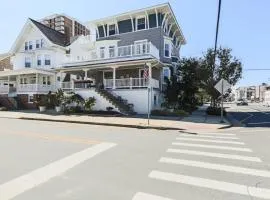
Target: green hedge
215,111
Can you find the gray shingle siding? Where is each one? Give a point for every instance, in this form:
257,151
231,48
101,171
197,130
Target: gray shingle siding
154,35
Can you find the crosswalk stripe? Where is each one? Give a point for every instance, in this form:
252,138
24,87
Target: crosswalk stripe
17,186
217,155
209,136
227,168
212,184
212,146
223,134
145,196
212,141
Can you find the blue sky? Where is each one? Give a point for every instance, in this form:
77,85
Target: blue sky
244,25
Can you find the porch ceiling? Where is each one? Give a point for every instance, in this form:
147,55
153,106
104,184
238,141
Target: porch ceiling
122,65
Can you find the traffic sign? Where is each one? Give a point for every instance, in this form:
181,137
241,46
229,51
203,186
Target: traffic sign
222,86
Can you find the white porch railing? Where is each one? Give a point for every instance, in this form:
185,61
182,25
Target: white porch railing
136,50
4,89
35,88
130,83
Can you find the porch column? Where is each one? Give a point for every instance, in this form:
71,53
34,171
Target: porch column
60,82
37,82
114,76
85,77
8,83
149,73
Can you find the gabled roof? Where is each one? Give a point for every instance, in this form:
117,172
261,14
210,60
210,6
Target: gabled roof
54,36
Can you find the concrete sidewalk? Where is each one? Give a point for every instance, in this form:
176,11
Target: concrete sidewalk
193,122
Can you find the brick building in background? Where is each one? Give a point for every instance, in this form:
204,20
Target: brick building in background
5,62
66,25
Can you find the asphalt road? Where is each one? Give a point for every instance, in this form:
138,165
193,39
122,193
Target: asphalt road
45,160
253,115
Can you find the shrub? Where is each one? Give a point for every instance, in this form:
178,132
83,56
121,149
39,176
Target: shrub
215,111
109,108
89,103
42,100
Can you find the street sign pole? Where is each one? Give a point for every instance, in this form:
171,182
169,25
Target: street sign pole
148,117
222,93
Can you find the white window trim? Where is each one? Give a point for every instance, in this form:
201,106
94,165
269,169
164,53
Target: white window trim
104,50
50,58
30,95
136,22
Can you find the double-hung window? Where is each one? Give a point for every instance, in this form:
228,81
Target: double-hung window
112,29
30,45
166,73
37,44
112,51
102,52
141,23
41,43
167,49
26,46
27,62
47,60
39,60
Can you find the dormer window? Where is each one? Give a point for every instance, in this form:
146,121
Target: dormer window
37,44
141,23
112,29
26,46
30,45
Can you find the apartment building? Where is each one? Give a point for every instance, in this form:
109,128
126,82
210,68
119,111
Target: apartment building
66,25
126,57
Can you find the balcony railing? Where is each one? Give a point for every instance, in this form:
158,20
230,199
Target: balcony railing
131,83
134,51
35,88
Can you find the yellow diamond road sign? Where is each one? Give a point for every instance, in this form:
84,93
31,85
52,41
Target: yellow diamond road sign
222,84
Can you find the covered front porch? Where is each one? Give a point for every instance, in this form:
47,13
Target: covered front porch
27,81
141,75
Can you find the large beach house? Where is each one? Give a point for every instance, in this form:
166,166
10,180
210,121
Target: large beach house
127,55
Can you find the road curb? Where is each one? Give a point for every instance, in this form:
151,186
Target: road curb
104,124
233,121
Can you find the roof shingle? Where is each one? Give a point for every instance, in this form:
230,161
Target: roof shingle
54,36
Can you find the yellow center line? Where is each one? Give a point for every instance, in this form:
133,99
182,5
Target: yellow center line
57,138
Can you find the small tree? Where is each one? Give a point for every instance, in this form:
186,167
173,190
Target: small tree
171,91
226,67
189,81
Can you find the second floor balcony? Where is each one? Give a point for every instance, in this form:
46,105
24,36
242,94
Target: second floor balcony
121,53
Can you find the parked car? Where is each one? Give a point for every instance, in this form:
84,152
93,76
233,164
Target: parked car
242,103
